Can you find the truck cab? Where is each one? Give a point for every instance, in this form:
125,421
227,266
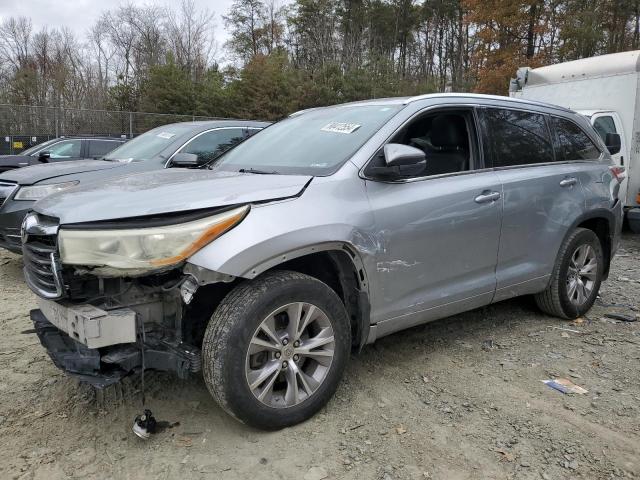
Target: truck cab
608,121
606,90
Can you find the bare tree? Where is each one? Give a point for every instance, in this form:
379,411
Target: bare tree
190,37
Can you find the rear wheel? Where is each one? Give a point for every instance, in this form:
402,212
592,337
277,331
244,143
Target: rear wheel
576,277
275,349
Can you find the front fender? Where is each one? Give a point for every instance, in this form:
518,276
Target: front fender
250,249
329,215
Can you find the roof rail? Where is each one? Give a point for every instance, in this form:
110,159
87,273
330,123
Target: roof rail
485,96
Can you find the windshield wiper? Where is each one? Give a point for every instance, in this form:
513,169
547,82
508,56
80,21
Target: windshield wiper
258,172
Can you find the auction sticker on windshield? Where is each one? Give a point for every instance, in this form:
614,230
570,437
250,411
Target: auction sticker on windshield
338,127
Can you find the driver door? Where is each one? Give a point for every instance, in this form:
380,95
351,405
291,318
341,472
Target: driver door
438,236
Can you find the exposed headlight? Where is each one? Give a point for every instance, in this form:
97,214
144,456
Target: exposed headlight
144,248
37,192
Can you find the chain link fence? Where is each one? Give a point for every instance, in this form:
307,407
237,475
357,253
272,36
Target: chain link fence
22,126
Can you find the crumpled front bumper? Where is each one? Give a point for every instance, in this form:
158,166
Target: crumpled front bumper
73,357
102,367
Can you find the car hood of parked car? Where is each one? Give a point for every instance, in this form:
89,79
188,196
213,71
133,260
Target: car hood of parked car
165,192
16,161
47,171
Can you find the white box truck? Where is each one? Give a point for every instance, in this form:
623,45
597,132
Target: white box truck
607,90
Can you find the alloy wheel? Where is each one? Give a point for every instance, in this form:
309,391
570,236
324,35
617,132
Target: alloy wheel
582,274
289,355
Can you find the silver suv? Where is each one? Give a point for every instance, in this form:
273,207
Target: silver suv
319,235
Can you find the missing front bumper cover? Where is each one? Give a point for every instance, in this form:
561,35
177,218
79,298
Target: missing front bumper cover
107,366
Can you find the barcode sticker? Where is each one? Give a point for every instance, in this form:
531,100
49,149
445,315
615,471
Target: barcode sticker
337,127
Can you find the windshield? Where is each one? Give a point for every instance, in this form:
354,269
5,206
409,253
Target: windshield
40,146
148,145
316,143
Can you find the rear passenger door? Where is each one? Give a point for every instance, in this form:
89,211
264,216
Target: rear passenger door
542,196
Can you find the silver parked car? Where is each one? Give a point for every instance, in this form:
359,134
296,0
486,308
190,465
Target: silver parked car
178,145
319,235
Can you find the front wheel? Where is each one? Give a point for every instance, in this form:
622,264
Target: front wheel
576,277
275,349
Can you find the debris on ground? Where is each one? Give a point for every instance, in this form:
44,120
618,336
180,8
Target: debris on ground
316,473
565,386
621,316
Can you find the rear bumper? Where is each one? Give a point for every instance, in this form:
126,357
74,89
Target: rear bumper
101,367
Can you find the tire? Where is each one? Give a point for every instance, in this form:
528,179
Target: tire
236,329
559,299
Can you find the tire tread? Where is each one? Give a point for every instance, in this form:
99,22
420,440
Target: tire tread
223,319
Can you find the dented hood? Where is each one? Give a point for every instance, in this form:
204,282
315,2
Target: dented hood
46,171
166,191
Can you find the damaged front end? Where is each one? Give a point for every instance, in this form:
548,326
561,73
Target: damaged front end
101,324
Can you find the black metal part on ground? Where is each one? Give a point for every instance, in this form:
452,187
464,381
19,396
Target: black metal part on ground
107,366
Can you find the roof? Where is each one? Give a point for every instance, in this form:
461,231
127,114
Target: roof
224,123
599,66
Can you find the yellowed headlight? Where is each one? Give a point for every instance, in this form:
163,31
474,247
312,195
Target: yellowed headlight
144,248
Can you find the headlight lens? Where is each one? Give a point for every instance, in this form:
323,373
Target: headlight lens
37,192
144,248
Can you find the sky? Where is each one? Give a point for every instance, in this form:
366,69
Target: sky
79,15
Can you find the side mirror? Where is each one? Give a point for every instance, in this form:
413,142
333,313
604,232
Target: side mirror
613,143
185,160
401,161
44,156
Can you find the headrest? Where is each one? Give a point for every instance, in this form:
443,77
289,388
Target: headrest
447,131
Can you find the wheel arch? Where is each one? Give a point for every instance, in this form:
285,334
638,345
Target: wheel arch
338,265
603,223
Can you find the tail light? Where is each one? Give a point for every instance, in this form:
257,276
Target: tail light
638,198
619,172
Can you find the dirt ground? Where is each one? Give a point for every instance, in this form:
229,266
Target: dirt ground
455,399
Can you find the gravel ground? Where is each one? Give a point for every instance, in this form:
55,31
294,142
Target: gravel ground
458,398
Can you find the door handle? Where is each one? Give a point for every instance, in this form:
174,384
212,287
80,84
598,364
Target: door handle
567,182
487,197
622,160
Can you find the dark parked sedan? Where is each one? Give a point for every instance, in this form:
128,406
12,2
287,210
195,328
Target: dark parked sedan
188,144
60,150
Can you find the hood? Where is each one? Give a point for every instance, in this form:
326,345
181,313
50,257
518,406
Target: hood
47,171
166,191
16,161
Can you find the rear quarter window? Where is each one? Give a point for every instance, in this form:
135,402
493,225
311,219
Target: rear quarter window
572,143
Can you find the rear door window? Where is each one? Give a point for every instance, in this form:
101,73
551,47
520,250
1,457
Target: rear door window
572,142
514,137
210,145
99,148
